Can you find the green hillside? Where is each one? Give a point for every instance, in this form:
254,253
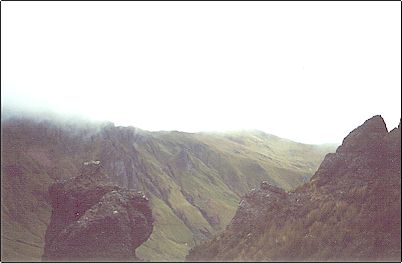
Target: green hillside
194,180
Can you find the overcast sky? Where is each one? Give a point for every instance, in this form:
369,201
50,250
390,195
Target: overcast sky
309,72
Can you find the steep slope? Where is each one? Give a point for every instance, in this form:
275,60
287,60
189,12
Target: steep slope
350,209
194,181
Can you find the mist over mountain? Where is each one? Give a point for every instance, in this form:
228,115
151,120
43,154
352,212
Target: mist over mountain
174,131
194,181
349,210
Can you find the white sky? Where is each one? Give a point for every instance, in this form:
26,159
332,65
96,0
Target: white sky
309,72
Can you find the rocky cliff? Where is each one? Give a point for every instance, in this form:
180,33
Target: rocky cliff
93,219
350,209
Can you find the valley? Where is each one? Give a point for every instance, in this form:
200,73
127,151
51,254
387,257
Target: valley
194,181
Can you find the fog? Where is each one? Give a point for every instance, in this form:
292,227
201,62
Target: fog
310,72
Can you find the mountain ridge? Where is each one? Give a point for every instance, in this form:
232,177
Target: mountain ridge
194,181
349,210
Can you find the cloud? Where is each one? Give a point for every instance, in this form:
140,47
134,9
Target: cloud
310,72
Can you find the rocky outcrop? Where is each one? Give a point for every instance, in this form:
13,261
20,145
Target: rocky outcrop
366,137
350,209
256,204
93,219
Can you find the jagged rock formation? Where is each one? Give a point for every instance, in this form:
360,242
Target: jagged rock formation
350,209
93,219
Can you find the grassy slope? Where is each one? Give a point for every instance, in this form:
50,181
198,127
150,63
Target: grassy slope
351,210
194,181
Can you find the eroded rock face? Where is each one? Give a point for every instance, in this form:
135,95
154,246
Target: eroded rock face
93,219
256,204
366,137
350,209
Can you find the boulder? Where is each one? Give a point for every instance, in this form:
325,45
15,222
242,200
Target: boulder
93,219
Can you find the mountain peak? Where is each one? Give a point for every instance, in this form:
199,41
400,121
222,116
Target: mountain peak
349,210
366,136
364,146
